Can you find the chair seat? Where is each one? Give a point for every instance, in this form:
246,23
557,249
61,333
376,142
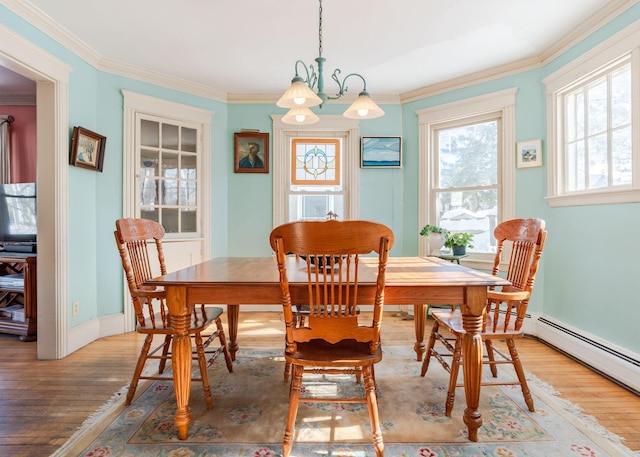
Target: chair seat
346,353
452,320
200,320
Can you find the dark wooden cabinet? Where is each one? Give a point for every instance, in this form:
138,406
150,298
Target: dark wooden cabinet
18,288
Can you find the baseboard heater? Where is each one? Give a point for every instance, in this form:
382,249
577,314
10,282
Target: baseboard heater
605,358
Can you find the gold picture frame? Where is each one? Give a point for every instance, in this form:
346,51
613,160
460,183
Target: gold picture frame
251,152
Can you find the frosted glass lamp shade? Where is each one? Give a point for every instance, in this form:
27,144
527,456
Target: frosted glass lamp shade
299,95
300,116
363,108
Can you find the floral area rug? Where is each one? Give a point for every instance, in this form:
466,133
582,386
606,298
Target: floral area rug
250,408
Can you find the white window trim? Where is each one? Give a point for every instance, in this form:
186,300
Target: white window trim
503,102
330,127
622,43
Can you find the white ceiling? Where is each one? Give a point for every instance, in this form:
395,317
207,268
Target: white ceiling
251,46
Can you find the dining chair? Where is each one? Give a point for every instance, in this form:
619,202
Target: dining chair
504,314
331,340
135,239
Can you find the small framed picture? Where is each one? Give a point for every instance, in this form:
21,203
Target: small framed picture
87,149
381,152
529,154
251,152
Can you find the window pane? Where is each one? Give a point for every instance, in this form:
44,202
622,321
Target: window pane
169,193
188,193
468,156
188,168
475,212
315,207
188,139
621,98
597,114
169,165
188,221
598,165
170,220
169,136
621,144
148,191
149,133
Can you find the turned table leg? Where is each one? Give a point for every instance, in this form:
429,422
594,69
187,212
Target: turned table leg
181,356
233,312
472,315
419,323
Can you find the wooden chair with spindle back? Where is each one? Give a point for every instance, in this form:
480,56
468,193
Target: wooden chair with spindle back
504,314
134,237
331,340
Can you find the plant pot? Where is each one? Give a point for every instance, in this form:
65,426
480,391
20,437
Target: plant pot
436,241
459,250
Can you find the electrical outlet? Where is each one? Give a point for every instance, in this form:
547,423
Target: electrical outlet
75,310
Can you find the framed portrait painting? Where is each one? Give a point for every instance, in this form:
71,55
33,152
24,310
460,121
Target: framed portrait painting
529,154
251,152
87,149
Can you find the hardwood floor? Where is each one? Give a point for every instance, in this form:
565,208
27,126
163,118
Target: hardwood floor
44,402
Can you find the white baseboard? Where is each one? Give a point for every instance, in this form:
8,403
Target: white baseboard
616,362
88,332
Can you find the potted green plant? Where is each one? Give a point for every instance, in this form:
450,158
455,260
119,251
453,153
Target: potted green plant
436,236
458,242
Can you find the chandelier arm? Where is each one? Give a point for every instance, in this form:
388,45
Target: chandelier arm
343,85
311,78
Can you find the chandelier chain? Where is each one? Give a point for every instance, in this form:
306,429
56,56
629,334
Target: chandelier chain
320,31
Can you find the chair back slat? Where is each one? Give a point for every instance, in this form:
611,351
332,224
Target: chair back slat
134,238
330,253
526,239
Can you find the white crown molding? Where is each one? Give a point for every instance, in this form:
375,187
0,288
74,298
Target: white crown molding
587,27
18,100
471,79
170,82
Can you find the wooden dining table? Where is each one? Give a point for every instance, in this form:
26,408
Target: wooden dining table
237,281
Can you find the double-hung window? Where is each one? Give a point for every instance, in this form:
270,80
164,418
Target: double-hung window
593,145
466,168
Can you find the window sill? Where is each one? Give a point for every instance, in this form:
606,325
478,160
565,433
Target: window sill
595,198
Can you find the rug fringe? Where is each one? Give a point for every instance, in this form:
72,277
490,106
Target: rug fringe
590,422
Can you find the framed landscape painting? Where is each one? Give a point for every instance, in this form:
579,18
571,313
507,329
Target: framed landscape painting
381,152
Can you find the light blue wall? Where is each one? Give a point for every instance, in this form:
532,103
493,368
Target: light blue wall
582,275
251,194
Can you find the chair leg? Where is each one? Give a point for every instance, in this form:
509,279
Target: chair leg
453,378
223,343
165,353
372,404
142,359
491,356
287,371
517,364
204,375
432,343
294,400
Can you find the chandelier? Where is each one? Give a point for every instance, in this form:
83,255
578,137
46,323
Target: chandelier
300,96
